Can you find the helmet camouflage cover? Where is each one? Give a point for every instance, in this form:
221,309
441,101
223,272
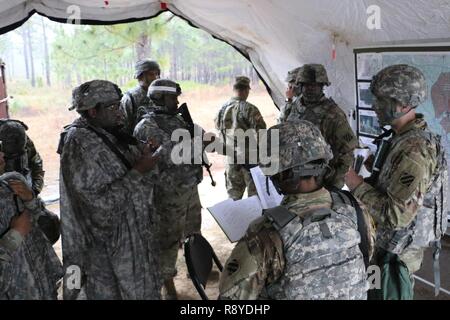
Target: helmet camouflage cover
300,143
402,82
313,73
90,94
292,75
145,65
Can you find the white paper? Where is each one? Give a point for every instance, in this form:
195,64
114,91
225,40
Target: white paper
234,217
267,201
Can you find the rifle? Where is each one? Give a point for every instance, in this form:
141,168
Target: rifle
186,115
383,147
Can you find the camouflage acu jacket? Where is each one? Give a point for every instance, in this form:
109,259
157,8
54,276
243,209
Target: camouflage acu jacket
236,114
29,266
172,177
301,260
135,104
398,196
333,125
106,214
36,167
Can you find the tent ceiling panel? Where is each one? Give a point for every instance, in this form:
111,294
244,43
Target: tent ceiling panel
276,35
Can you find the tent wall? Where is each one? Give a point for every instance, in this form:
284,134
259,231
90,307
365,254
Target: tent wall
276,35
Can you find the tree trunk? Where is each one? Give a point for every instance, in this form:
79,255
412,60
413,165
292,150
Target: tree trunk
143,47
174,64
25,53
46,55
30,51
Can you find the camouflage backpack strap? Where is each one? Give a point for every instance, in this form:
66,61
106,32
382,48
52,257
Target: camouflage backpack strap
279,216
340,197
242,106
133,103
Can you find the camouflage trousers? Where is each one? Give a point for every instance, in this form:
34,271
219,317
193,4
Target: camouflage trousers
237,179
179,215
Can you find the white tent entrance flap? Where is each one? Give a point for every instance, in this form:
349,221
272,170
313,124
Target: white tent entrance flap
276,35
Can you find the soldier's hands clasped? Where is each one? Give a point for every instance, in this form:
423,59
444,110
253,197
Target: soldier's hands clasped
147,161
21,190
22,223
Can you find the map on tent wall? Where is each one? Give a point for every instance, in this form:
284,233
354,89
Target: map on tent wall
436,67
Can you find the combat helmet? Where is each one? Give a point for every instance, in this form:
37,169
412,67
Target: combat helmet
292,75
145,65
95,93
13,137
163,86
312,73
301,146
402,83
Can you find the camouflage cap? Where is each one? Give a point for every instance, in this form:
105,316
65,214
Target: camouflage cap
145,65
300,143
292,75
241,82
90,94
401,82
13,136
313,73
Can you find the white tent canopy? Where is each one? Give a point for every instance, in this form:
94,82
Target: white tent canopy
276,35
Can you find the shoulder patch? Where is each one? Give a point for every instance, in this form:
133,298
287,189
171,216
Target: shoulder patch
232,266
240,266
406,179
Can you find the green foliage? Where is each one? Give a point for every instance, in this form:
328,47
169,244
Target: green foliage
191,85
15,105
82,53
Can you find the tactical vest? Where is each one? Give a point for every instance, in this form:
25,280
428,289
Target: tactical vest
321,253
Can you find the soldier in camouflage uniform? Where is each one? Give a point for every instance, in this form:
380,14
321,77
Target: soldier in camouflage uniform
315,107
177,200
293,95
106,182
238,114
26,157
29,266
407,197
307,248
135,102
